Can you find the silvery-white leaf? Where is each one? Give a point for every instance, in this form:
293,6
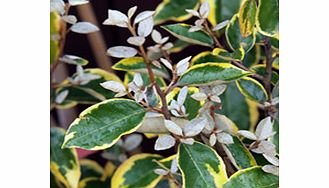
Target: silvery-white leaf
61,96
156,63
122,51
271,169
225,138
215,98
113,86
139,96
272,159
247,134
225,124
156,36
145,27
221,25
77,2
122,157
57,6
267,104
199,22
211,123
161,172
72,59
71,19
204,9
182,96
257,150
218,89
153,115
143,15
275,101
168,45
206,90
183,65
132,11
116,18
183,109
175,113
137,41
163,40
173,127
138,80
267,148
173,105
80,70
166,63
193,12
194,127
86,78
164,142
132,141
199,96
155,48
195,28
264,129
132,87
120,94
174,166
212,139
189,141
84,27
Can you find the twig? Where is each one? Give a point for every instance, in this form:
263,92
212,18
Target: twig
269,60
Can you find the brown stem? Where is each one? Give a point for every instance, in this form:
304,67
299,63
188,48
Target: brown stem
269,60
255,75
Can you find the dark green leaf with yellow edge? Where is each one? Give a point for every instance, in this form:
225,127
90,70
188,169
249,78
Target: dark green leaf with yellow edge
137,171
179,45
192,106
268,17
63,162
234,38
253,177
54,183
221,10
81,94
210,73
205,57
275,63
275,138
238,108
237,55
93,182
90,168
261,70
239,154
174,10
137,64
247,17
54,30
252,89
101,125
129,76
252,57
201,166
180,31
165,182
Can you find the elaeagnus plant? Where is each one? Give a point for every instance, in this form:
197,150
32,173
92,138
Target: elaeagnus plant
217,110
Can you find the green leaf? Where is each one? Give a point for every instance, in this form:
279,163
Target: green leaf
239,154
216,73
192,106
179,45
101,125
137,171
63,162
247,17
268,17
54,30
238,108
75,60
253,177
81,94
237,55
136,64
180,31
252,57
90,168
174,10
252,89
234,38
261,70
221,10
201,166
205,57
93,182
275,138
129,76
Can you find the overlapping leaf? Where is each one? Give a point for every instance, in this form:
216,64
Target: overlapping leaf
205,57
268,17
252,89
